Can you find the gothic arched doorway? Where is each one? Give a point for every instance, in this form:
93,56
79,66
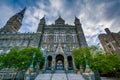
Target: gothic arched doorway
49,62
70,63
59,62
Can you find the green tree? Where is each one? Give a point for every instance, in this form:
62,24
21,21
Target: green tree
97,60
21,58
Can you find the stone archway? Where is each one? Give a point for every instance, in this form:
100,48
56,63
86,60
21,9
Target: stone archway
49,62
70,63
59,62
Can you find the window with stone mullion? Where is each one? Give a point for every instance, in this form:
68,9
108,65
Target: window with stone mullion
56,37
63,37
73,38
45,37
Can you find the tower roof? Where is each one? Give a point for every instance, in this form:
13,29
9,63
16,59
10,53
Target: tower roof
59,21
22,12
42,20
77,21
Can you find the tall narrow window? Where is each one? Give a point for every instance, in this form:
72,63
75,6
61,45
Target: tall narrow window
45,36
73,37
63,37
56,37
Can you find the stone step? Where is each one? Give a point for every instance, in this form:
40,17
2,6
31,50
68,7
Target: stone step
48,71
70,71
73,76
43,77
59,71
59,76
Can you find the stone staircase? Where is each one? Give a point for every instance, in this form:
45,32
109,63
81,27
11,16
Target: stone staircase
59,75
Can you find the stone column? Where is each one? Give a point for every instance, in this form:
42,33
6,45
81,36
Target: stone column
45,65
53,64
74,67
66,64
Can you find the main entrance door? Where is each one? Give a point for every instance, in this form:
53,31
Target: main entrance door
59,62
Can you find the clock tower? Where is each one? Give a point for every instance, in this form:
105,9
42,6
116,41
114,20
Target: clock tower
14,23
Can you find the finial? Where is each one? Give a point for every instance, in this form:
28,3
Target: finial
59,16
23,11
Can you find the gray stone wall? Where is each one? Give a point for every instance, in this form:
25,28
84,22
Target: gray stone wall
20,40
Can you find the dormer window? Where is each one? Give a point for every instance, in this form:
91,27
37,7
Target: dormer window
59,21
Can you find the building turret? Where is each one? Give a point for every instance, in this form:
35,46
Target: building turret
14,23
59,21
42,21
77,21
41,25
80,33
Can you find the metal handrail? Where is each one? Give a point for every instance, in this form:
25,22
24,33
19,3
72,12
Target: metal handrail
66,75
52,75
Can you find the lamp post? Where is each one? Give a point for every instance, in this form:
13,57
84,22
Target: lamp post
30,69
32,64
88,74
86,62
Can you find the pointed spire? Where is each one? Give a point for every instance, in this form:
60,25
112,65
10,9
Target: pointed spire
76,18
22,12
42,20
77,21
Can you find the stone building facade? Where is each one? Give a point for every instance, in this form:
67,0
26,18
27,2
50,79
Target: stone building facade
56,40
110,41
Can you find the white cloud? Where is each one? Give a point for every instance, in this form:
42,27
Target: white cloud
56,4
34,14
5,13
93,21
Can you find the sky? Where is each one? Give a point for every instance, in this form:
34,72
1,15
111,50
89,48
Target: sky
94,15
